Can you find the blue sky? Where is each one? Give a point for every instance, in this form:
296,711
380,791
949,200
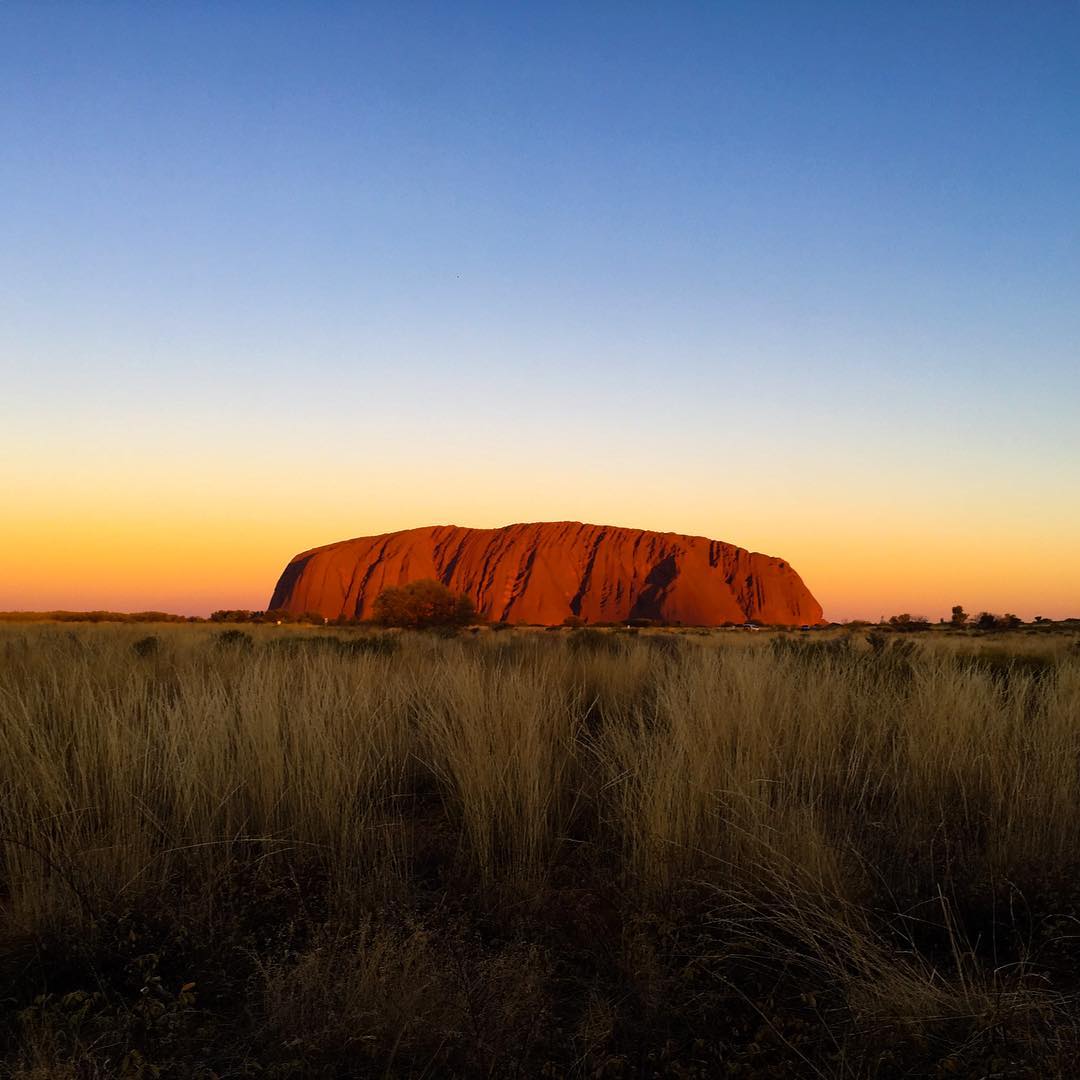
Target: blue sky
802,276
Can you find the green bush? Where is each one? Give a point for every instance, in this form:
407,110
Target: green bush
422,604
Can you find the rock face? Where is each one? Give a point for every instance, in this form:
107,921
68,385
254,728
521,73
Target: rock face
544,572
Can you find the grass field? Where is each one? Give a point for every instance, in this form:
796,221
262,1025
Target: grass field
287,853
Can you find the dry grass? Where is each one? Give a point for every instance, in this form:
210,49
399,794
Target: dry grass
595,854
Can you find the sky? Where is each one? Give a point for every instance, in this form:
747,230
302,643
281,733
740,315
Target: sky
800,276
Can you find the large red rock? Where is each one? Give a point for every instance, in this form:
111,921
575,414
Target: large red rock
546,571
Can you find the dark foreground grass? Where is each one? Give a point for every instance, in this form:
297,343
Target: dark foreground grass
521,854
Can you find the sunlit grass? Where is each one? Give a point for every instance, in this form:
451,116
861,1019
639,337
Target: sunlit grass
895,827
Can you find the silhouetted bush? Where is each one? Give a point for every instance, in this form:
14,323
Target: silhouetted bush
906,622
987,620
234,615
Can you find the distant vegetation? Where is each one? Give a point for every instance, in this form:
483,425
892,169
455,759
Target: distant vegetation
407,611
989,621
234,852
241,616
909,622
960,620
94,616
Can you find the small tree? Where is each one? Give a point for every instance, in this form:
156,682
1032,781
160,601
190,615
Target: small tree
421,604
959,616
986,620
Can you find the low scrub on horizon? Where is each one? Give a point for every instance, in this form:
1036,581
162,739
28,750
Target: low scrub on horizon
233,853
983,623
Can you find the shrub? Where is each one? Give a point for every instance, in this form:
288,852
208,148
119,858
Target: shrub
276,616
237,615
147,647
909,622
421,604
233,639
987,620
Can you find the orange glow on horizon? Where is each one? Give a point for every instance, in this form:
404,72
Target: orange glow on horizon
196,561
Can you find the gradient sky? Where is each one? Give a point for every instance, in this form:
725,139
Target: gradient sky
800,276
